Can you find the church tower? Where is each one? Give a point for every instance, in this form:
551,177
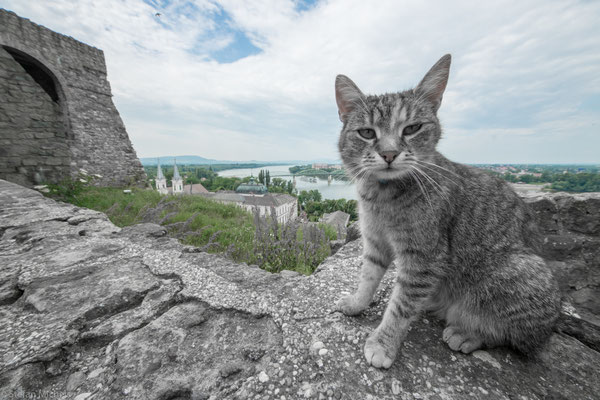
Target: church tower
177,182
161,181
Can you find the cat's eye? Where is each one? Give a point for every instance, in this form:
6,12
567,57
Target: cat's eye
409,130
366,133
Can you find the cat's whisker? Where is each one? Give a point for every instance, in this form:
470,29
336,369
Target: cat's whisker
439,173
435,185
357,178
352,171
421,187
440,167
358,175
420,172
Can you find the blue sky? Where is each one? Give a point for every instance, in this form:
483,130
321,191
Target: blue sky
254,79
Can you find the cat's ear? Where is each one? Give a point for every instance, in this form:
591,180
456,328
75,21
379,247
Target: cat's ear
347,95
433,85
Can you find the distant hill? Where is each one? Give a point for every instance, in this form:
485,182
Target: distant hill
167,160
181,160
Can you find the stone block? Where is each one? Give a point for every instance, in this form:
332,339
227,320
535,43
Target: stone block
31,161
54,161
581,214
562,247
44,135
546,212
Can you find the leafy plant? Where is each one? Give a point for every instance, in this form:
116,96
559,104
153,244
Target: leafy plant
69,189
293,245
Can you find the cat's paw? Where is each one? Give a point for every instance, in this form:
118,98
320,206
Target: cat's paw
378,352
459,340
349,305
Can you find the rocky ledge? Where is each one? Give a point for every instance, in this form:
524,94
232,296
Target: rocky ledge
91,311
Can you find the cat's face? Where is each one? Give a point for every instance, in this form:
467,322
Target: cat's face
388,136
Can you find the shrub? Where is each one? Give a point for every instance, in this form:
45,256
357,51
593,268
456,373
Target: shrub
296,246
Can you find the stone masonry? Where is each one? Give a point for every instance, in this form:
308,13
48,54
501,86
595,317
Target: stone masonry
89,311
56,110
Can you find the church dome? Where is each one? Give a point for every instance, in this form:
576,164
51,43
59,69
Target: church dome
252,187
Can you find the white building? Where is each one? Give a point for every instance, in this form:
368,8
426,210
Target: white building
326,166
161,181
284,206
177,182
253,196
320,166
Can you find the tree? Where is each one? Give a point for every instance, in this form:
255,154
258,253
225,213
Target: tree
527,178
546,176
267,179
316,195
581,182
509,177
261,176
307,196
298,168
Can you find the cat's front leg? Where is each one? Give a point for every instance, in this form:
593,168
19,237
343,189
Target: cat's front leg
411,292
376,260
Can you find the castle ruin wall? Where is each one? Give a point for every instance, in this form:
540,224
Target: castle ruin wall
56,110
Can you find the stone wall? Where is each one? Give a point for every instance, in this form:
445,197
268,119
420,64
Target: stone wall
56,110
91,311
570,225
33,145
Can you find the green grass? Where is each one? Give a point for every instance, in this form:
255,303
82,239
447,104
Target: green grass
231,224
329,230
123,209
212,226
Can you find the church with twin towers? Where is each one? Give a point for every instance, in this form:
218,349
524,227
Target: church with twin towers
176,182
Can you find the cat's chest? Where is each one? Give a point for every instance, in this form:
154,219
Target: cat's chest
386,200
395,217
391,213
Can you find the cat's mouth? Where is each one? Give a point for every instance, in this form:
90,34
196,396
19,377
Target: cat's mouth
392,171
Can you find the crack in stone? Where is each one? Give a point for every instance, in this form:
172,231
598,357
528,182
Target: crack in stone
583,331
17,293
60,219
132,300
164,307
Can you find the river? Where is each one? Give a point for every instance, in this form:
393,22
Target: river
335,190
339,189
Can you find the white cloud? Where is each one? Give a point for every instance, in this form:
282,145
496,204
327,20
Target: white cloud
520,69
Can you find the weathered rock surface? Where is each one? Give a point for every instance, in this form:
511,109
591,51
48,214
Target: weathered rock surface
93,311
571,228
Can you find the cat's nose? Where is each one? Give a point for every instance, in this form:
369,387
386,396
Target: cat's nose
389,156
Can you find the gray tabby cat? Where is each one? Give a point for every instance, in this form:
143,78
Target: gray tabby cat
464,242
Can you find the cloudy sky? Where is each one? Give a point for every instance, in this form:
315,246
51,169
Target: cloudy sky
241,80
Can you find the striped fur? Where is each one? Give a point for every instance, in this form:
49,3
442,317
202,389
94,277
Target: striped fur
464,243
